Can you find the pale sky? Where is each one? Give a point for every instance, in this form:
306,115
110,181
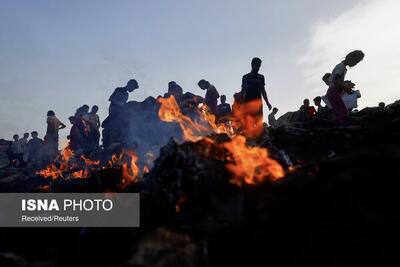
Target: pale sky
61,54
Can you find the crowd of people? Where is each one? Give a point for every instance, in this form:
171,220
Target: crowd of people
85,131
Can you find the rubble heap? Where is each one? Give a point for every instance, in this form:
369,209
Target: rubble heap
336,206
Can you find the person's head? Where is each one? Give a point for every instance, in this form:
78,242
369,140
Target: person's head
16,137
132,85
255,64
94,109
171,85
353,58
306,102
72,119
382,105
26,135
317,101
326,78
203,84
275,110
34,134
85,109
223,99
50,113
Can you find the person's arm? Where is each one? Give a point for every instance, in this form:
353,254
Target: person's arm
216,93
62,126
264,95
244,86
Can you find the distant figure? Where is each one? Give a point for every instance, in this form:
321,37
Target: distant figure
35,147
309,111
77,135
224,109
24,145
82,111
381,105
338,85
51,137
94,124
271,118
212,95
175,90
120,96
318,103
17,153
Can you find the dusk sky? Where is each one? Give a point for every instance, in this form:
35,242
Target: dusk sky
61,54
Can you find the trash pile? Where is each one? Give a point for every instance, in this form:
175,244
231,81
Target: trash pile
322,195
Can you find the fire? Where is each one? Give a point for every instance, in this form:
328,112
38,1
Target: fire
79,174
130,171
67,165
50,171
64,165
115,159
247,118
192,130
251,165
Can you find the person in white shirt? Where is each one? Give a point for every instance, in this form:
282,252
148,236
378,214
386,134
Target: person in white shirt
337,83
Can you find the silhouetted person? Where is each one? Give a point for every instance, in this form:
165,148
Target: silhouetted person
212,95
17,153
309,111
175,90
381,105
35,147
94,124
82,111
253,84
251,109
120,96
271,118
24,145
338,85
77,135
51,137
318,103
224,109
326,78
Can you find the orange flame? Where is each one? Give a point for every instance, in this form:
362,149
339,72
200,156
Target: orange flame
251,165
247,118
130,171
67,166
57,172
50,171
192,130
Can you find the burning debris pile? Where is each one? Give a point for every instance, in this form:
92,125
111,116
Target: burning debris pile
317,194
